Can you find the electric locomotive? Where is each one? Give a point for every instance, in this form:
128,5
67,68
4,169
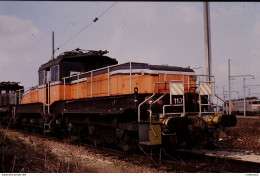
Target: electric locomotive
9,96
87,95
252,106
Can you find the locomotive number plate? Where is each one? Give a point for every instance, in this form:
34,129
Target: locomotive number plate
177,100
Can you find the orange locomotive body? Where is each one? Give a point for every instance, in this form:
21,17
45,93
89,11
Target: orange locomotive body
115,80
88,95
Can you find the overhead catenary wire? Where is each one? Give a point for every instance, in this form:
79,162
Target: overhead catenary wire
107,9
88,25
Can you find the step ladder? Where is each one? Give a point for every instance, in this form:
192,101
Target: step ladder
47,125
205,89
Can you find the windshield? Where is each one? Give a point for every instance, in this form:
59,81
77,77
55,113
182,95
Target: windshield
71,68
255,102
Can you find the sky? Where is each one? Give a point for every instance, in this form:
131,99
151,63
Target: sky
158,33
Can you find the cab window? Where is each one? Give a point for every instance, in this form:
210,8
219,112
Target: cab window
55,73
41,77
71,68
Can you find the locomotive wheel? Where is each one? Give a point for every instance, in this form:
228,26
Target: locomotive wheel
31,123
95,135
129,141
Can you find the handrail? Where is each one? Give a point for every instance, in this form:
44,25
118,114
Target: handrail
78,89
196,83
64,87
44,80
220,98
154,85
91,90
158,99
49,97
169,113
150,121
108,77
92,71
183,101
19,96
130,70
109,68
212,88
139,107
103,68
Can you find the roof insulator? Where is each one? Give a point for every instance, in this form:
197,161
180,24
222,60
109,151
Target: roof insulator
95,20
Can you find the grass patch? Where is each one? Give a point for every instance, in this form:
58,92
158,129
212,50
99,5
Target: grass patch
17,155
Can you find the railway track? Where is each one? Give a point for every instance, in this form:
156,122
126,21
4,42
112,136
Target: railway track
184,161
180,161
220,161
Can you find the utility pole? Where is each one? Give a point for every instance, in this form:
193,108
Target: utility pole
53,45
208,64
207,33
254,93
229,88
248,86
235,92
217,98
224,97
244,87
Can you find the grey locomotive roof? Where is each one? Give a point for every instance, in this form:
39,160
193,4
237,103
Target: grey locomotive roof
78,54
98,56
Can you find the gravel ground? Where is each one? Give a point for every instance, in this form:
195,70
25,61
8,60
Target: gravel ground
244,139
77,158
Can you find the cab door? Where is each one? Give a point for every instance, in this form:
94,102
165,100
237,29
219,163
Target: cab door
47,86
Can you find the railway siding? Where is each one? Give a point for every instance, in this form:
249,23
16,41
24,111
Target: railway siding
67,157
88,158
239,156
249,125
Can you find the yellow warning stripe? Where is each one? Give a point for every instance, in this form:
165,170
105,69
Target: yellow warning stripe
205,89
177,89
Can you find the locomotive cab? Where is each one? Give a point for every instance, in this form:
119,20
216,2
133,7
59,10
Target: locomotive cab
53,74
72,63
